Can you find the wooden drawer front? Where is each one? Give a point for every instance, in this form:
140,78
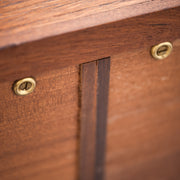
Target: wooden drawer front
38,132
144,116
59,131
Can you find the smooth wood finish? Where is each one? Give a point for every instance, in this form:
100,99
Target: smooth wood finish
39,136
89,45
39,132
144,117
88,120
25,21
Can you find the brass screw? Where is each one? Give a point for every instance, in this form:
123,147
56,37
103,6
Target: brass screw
24,86
162,50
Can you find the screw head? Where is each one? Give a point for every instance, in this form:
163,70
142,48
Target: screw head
162,50
24,86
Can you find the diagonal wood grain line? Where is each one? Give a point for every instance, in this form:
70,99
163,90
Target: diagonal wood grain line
30,20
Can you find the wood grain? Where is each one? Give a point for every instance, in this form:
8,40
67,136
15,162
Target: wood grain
89,45
34,122
25,21
143,122
88,120
39,132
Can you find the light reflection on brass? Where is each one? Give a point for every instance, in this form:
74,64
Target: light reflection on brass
24,86
162,50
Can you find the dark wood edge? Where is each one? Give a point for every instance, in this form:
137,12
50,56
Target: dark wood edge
87,120
101,115
93,118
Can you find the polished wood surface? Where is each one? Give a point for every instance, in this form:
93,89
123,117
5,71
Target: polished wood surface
144,117
89,45
25,21
39,132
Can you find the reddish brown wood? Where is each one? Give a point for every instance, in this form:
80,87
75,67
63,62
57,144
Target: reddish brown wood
38,132
88,120
144,117
36,144
25,21
88,45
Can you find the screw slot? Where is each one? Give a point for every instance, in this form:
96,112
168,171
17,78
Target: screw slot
24,86
162,50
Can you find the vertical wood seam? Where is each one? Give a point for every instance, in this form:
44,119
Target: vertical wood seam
94,104
101,115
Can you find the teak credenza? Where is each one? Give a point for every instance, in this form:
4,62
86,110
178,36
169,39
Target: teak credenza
83,96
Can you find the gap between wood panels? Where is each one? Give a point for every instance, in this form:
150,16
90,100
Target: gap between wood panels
94,86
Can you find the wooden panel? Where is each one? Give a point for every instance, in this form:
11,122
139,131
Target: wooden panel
24,21
89,45
143,125
94,103
38,132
